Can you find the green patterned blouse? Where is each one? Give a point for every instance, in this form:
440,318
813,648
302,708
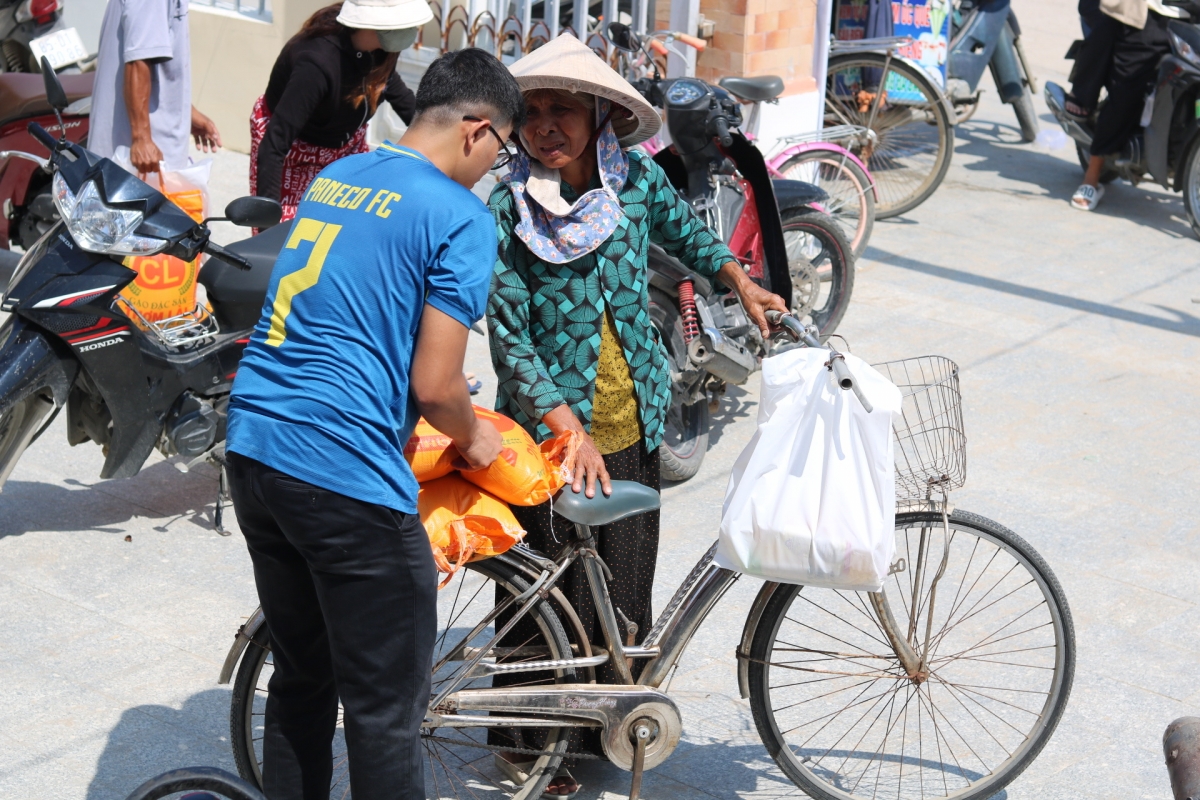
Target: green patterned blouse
545,319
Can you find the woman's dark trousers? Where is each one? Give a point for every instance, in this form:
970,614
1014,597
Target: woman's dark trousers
350,596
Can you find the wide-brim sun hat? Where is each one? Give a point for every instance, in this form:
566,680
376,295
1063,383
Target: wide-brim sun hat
567,63
384,15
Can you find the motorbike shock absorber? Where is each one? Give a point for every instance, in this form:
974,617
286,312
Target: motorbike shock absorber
687,310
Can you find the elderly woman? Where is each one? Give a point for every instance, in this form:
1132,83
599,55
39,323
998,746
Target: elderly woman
571,337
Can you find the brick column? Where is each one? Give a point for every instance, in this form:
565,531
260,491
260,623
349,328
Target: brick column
761,37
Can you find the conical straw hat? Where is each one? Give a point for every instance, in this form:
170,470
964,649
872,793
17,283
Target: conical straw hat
567,63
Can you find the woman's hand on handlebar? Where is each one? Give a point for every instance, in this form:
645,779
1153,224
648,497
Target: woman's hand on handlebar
589,463
755,299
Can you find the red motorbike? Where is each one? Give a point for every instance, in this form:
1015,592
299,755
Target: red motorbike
28,209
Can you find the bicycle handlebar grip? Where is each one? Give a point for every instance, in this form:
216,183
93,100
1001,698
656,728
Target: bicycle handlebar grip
722,126
692,41
845,380
228,256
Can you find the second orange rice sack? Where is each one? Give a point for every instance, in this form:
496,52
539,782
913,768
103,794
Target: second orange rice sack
464,523
525,474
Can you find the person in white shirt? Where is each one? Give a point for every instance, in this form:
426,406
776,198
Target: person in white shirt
143,91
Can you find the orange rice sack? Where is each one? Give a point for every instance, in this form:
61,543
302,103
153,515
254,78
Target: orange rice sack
464,523
429,452
525,474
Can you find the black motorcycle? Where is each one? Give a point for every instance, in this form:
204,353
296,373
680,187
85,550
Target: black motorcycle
775,228
71,342
1168,147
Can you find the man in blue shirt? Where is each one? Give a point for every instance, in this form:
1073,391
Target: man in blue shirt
364,329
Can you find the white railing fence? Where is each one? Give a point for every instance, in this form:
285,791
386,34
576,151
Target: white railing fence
510,29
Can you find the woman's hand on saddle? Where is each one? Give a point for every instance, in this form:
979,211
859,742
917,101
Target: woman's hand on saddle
589,463
756,300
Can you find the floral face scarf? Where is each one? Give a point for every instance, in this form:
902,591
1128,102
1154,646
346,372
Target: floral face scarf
555,230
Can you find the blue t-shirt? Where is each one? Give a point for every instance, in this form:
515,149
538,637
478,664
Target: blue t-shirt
322,390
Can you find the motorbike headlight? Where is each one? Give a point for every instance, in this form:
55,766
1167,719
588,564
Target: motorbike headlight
97,226
1184,49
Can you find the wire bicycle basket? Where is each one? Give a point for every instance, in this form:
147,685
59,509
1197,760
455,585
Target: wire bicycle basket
931,446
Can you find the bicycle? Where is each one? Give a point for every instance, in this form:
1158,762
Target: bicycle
907,139
946,683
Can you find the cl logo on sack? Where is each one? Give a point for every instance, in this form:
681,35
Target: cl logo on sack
161,272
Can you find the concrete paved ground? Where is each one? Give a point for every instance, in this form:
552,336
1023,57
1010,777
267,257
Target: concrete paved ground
1077,339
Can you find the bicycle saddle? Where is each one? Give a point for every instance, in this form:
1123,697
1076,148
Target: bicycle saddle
760,89
628,499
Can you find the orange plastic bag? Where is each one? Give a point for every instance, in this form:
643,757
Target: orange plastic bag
166,286
464,523
525,474
429,452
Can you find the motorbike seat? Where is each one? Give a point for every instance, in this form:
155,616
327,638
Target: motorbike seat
628,499
24,94
237,296
760,89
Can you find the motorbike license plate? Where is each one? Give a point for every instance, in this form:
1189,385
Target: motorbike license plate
61,47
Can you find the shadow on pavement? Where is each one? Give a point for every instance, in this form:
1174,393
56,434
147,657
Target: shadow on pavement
1183,322
736,404
158,492
151,739
1000,151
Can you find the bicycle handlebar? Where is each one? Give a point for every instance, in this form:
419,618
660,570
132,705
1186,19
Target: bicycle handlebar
808,334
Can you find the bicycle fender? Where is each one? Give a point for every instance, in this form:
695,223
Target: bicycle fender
924,76
241,641
752,620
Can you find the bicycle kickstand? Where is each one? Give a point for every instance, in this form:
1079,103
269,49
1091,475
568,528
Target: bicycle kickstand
641,736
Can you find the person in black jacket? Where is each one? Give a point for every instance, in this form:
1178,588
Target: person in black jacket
324,88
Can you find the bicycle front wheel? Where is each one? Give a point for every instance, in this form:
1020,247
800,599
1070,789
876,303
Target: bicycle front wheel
844,719
851,197
909,141
459,762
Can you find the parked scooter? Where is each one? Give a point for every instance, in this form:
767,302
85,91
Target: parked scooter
22,22
28,208
774,228
1168,147
127,384
985,35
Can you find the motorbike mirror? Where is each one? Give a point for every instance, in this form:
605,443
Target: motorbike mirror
55,94
254,212
624,38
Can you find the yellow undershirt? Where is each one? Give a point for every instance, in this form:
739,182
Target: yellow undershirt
614,406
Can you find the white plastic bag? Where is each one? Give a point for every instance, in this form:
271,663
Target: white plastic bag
812,498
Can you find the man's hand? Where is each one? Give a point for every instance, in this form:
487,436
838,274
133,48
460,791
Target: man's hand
589,463
483,448
756,300
145,156
204,131
437,385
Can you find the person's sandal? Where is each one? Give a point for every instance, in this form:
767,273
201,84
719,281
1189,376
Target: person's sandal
517,772
564,775
1086,198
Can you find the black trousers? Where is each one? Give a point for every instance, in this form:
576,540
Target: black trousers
1125,60
349,592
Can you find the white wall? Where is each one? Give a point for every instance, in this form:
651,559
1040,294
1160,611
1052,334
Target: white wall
85,16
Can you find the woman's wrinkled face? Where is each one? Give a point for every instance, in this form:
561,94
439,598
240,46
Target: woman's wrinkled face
556,128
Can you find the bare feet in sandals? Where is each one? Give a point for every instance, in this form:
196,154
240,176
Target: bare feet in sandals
1072,107
562,786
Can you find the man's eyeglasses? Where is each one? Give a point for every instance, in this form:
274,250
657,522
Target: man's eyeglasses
506,154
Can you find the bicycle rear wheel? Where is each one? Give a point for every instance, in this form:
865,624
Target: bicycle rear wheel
910,138
840,715
458,761
851,197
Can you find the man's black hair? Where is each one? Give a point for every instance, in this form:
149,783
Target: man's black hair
470,81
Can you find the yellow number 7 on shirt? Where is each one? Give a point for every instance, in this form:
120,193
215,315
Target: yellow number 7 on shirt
322,236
